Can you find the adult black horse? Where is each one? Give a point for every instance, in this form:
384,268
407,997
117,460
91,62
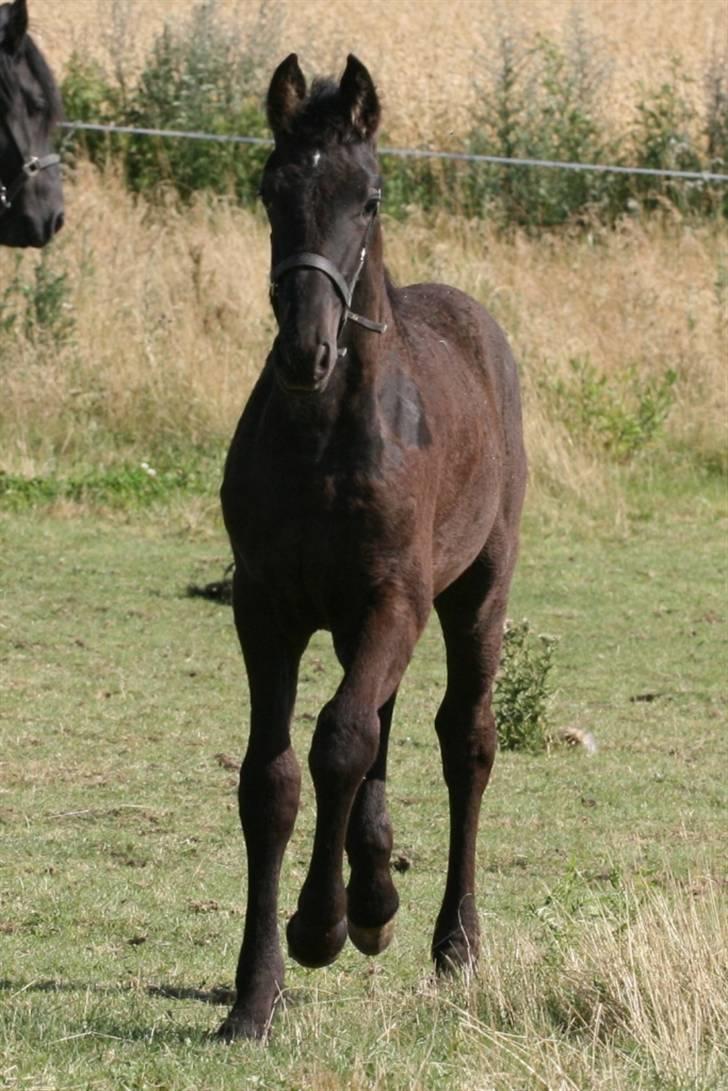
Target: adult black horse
378,468
31,195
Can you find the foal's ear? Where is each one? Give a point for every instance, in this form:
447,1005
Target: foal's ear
360,98
16,26
286,93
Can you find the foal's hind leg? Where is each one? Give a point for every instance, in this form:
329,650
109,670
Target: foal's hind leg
371,898
471,612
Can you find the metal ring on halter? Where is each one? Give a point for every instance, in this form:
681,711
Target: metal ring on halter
32,165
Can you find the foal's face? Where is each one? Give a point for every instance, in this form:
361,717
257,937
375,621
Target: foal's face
320,200
29,106
321,188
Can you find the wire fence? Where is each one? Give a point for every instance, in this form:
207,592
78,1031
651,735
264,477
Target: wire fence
408,153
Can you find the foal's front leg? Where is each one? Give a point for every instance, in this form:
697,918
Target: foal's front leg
344,748
268,799
371,897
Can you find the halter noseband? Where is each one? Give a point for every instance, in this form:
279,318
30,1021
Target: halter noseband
32,165
345,289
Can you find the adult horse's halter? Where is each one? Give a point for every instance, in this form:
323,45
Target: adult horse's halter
307,260
32,165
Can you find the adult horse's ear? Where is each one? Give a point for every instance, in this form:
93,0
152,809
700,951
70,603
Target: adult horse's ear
286,93
360,98
16,26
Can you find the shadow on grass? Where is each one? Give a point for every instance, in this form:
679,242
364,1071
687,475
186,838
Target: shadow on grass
219,996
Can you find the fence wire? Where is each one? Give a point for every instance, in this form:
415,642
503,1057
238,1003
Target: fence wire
408,153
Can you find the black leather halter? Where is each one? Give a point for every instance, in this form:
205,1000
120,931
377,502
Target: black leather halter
345,289
32,165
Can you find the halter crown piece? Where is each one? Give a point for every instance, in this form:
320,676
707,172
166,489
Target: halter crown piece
345,289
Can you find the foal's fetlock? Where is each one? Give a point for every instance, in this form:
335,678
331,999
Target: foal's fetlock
313,946
371,911
456,943
455,951
250,1021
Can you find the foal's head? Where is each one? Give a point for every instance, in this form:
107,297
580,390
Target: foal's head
31,197
321,188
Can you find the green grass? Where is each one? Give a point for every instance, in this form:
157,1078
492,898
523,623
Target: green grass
121,873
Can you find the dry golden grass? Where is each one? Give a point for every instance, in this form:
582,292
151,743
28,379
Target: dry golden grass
426,55
644,975
172,324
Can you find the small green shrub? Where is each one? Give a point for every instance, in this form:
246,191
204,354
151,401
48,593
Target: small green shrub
666,137
540,102
88,96
621,414
48,313
200,76
41,305
8,301
522,690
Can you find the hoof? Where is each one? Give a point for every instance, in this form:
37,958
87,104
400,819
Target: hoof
455,955
371,941
310,946
239,1027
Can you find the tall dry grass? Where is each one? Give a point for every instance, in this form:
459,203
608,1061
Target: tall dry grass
427,55
165,323
630,991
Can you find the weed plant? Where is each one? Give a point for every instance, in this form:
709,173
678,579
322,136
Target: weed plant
620,414
522,691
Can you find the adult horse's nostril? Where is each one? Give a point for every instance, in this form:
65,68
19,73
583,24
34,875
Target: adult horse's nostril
58,222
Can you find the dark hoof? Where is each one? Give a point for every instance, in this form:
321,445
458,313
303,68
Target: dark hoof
310,946
239,1026
371,941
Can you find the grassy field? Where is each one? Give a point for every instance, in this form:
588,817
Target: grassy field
602,883
126,352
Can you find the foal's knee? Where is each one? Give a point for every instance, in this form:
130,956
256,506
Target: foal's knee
468,739
269,792
344,744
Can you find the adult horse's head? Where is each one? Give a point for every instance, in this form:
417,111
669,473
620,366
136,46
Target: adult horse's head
321,188
31,196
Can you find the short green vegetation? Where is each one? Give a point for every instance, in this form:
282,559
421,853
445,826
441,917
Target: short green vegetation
122,723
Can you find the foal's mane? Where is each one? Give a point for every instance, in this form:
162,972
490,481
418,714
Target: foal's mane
38,66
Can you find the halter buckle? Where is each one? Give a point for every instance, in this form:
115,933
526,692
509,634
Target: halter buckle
31,166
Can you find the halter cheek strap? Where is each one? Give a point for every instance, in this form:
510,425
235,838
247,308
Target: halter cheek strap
32,166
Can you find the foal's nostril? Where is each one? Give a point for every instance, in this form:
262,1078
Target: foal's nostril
321,360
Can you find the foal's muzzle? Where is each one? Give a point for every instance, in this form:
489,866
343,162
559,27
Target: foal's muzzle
299,373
